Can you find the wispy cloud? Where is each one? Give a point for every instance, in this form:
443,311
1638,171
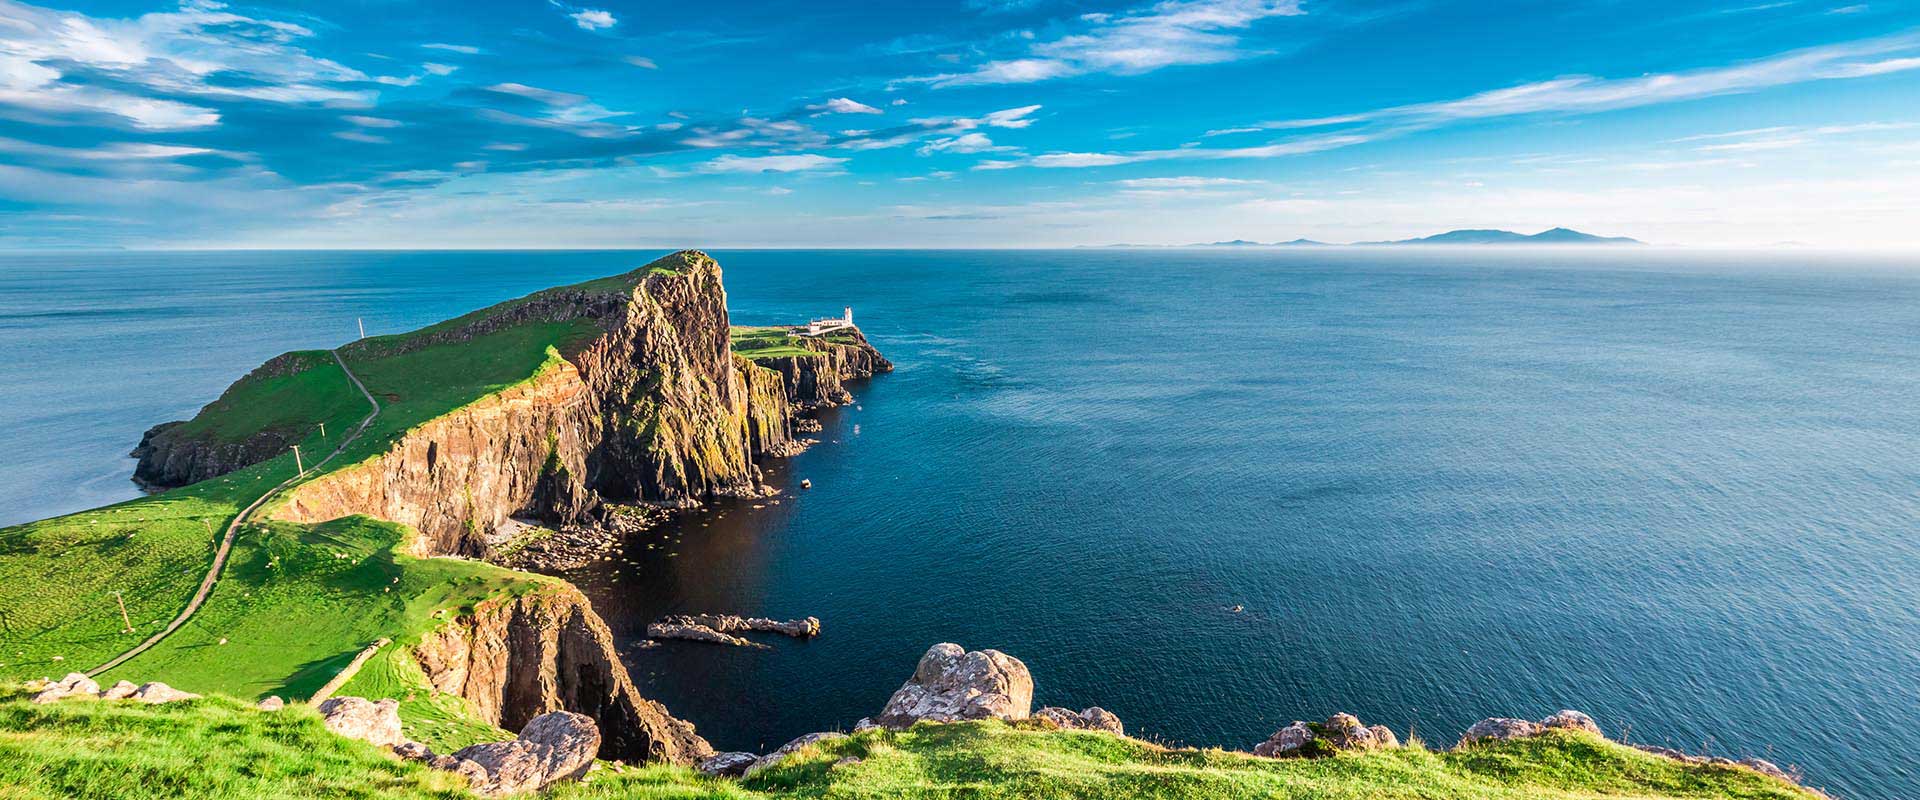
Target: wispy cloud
802,162
1295,146
1165,34
162,71
1587,94
453,48
964,143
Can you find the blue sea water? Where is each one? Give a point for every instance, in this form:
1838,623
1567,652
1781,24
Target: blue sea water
1678,491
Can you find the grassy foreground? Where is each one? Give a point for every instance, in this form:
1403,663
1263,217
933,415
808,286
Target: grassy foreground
218,747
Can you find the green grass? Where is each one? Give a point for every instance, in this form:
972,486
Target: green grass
220,748
319,392
297,602
757,342
995,760
217,747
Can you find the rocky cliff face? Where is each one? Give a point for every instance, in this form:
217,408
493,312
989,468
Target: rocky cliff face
173,454
818,381
656,408
519,658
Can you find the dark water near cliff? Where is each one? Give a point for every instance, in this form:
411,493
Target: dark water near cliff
1677,491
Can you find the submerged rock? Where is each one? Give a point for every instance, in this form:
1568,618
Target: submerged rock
951,684
363,719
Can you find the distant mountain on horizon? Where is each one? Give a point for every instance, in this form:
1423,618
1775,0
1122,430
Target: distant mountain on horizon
1492,236
1462,236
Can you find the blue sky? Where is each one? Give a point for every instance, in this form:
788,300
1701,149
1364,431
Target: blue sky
604,123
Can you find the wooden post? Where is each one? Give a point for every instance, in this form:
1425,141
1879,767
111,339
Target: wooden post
128,621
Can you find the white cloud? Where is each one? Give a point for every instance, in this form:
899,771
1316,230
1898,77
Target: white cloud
1182,182
842,105
1167,33
360,136
178,54
371,122
964,143
438,69
537,94
453,48
593,19
1289,147
804,162
642,62
779,191
1588,94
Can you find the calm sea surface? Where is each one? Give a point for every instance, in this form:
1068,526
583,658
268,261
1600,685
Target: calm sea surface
1677,491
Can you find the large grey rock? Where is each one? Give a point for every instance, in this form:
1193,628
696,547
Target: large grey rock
1500,728
1341,732
730,765
1092,719
774,758
1570,720
951,684
119,691
73,685
363,719
156,692
273,703
553,747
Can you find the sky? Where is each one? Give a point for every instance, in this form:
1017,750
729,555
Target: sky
969,123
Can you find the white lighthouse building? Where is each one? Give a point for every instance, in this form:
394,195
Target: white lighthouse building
830,324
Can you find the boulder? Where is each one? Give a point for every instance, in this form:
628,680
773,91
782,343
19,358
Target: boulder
74,684
555,746
363,719
951,685
119,691
1092,719
1569,720
1340,733
774,758
273,703
413,751
1500,728
729,765
1287,741
157,692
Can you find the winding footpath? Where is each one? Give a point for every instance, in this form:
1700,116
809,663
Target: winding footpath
233,529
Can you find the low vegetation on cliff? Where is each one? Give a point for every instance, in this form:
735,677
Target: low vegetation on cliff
217,747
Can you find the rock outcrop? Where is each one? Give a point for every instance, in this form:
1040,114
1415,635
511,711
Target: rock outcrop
719,628
1340,733
1091,719
951,684
781,753
552,747
74,685
363,719
819,381
519,658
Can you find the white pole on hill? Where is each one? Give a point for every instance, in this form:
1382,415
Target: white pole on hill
363,326
323,430
123,613
302,470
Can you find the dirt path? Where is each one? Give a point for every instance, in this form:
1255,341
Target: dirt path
233,529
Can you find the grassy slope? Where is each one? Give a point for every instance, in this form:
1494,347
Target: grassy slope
220,748
758,342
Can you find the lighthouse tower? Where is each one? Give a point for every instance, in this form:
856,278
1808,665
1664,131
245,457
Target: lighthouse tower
849,315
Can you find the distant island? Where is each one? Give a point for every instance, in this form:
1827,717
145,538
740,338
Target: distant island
1551,236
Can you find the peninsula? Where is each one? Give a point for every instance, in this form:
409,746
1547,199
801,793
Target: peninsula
318,600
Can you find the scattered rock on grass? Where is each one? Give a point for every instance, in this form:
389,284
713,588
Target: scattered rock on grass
72,685
774,758
363,719
729,765
1092,719
555,746
1340,733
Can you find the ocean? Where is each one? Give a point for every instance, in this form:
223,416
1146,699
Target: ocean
1675,490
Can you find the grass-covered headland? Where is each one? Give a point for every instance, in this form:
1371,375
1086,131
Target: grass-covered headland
221,748
296,601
